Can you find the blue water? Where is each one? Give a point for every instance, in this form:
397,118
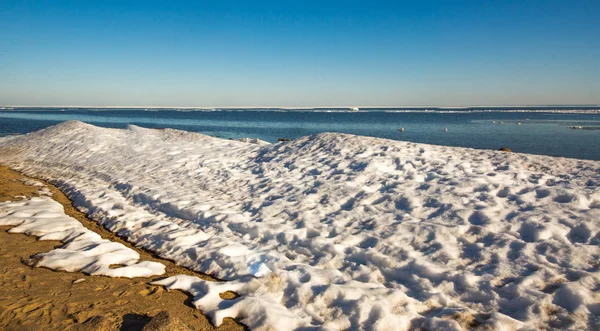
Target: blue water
545,133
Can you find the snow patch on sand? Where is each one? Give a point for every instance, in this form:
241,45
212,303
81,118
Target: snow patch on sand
84,251
338,231
32,182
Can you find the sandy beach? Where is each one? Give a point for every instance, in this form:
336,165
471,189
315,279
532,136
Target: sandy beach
39,298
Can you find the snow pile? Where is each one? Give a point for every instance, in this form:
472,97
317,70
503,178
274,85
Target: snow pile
258,307
84,250
339,231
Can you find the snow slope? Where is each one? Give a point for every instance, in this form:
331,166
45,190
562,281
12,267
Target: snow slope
336,231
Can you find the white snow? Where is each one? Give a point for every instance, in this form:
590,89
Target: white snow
84,250
337,231
254,141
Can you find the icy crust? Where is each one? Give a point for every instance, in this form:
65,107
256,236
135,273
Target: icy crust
84,250
337,231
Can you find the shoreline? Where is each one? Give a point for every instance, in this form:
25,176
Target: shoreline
39,297
545,133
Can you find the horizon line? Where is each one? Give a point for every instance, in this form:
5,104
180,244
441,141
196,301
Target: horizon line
299,107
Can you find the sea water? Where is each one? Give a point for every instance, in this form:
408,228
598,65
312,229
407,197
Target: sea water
565,132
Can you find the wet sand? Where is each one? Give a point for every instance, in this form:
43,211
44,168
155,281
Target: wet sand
42,299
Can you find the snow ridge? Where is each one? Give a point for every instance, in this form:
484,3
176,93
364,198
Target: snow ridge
336,231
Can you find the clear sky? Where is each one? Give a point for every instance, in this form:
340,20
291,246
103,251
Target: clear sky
299,53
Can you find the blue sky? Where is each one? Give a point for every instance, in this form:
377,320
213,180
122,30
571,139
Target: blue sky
299,53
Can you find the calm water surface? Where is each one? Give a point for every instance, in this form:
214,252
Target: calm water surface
545,133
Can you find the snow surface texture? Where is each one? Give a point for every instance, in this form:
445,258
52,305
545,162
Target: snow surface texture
84,250
336,231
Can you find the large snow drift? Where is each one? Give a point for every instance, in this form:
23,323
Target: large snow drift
342,232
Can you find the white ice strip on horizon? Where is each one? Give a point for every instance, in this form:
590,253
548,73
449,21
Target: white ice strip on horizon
84,250
360,233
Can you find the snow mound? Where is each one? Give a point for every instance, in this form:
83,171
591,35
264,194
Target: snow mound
337,231
84,250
